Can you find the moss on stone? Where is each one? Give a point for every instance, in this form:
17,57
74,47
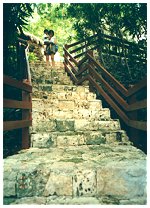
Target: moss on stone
102,148
74,160
96,141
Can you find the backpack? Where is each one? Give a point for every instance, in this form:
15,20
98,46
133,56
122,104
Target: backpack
56,48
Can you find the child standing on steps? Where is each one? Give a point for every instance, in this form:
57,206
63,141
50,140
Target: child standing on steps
46,40
51,48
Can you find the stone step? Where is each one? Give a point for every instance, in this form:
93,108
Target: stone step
75,125
57,102
39,63
69,138
76,113
50,73
49,79
83,98
63,94
69,200
108,174
64,88
52,80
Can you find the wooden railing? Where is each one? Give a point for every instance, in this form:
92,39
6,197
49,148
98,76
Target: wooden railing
107,44
21,87
125,102
25,105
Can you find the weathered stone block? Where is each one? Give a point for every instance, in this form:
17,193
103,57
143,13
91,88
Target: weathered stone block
125,179
82,104
60,114
58,184
84,183
95,104
84,125
102,114
31,182
67,141
81,89
66,105
42,140
9,184
45,126
25,184
65,125
71,201
91,96
30,201
95,139
82,95
45,87
62,95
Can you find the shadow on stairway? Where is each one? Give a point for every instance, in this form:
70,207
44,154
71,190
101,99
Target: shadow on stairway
78,153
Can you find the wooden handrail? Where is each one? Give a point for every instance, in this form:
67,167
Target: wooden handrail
110,89
117,84
25,105
7,103
70,73
17,84
118,102
85,52
70,56
137,87
70,63
81,41
109,100
10,125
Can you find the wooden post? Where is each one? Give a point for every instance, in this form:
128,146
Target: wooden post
65,56
133,133
26,115
90,52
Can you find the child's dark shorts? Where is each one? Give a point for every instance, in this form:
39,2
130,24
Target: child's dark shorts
50,49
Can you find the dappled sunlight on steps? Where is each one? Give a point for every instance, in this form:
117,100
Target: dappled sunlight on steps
78,154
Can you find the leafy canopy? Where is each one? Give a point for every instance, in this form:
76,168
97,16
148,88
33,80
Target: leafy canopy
121,19
52,16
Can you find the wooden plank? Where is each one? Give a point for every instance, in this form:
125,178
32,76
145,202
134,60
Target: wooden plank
117,84
7,103
137,87
10,125
82,61
122,40
137,105
17,84
73,68
110,90
84,46
70,73
121,44
81,41
109,100
134,124
81,54
141,125
83,69
26,115
83,79
71,57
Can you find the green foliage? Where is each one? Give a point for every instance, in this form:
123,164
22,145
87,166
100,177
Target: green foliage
121,20
125,21
32,57
15,20
52,16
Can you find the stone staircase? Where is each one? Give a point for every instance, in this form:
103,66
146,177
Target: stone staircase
78,154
